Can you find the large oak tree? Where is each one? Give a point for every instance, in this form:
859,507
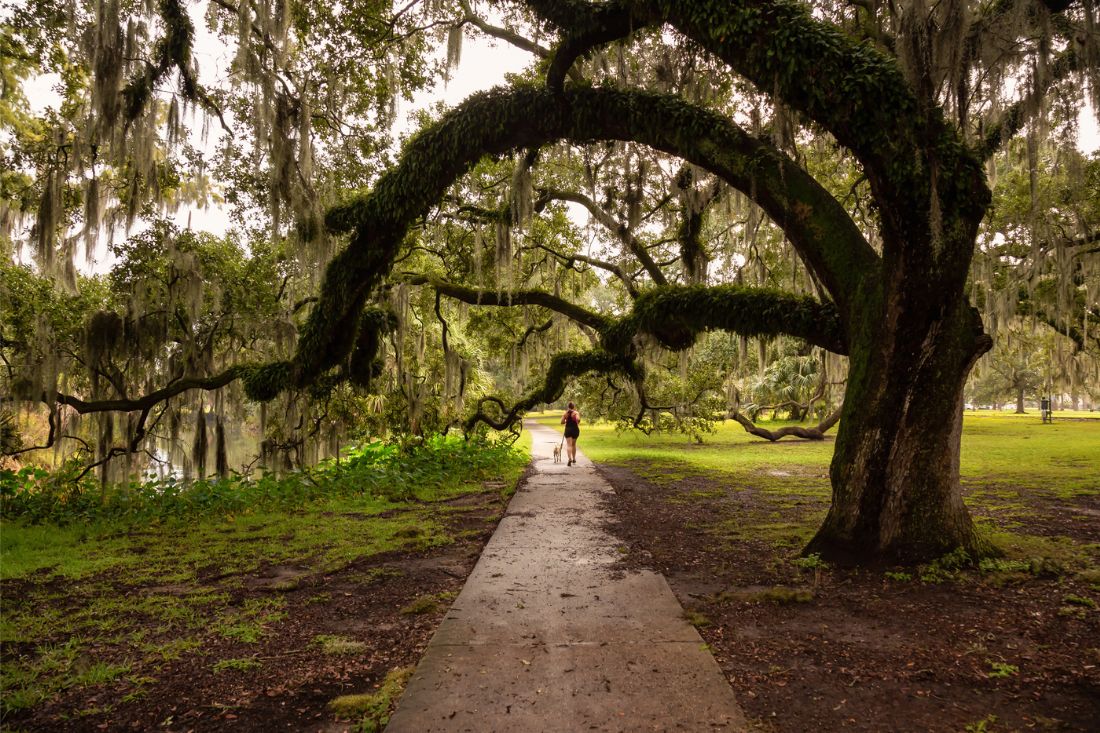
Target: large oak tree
904,92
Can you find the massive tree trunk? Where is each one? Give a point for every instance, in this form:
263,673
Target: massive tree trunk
895,469
1020,400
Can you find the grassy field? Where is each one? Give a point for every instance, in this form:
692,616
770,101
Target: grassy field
1011,464
105,606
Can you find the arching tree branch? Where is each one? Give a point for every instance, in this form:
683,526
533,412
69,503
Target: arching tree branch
815,433
500,121
152,399
853,90
563,367
675,315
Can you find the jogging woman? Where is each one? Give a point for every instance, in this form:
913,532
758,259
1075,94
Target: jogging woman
572,422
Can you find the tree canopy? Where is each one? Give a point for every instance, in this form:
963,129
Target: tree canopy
691,208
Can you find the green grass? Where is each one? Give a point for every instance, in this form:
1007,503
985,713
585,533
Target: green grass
238,664
1020,451
1012,466
338,646
429,603
729,451
997,448
100,599
331,532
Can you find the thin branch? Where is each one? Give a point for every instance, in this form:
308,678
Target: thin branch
618,228
482,296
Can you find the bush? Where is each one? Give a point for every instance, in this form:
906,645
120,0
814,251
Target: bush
396,472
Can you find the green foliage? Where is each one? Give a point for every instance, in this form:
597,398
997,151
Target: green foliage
693,426
946,567
812,561
396,472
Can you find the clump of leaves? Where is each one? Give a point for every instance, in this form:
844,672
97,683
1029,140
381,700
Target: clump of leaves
947,567
812,561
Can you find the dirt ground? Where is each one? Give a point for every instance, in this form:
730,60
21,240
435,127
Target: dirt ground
818,649
806,648
370,601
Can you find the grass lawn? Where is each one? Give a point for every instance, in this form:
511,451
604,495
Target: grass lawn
1010,464
99,621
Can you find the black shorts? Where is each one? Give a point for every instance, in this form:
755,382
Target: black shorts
572,431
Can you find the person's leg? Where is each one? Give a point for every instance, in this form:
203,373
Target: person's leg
572,449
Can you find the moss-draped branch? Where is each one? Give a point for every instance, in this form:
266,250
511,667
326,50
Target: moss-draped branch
675,315
618,228
858,93
485,296
501,121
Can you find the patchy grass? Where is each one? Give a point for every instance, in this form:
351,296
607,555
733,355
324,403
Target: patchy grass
238,664
373,710
83,605
1014,636
337,645
429,604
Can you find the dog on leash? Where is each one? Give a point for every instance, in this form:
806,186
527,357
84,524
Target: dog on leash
557,453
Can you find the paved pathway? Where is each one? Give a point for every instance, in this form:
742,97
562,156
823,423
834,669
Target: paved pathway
548,636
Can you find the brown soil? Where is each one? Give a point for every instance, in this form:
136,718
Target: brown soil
811,649
295,681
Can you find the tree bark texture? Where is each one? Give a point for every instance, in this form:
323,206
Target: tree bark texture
895,469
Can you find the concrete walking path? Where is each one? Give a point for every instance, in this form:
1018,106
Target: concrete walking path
547,635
